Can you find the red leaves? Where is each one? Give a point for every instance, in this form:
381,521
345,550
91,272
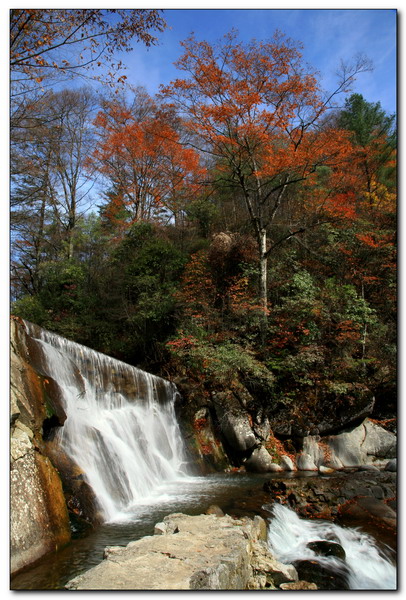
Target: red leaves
140,151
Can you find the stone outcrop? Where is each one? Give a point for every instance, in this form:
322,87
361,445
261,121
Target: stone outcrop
203,552
39,521
366,444
225,436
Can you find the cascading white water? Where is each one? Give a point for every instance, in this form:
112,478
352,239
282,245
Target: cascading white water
121,427
367,568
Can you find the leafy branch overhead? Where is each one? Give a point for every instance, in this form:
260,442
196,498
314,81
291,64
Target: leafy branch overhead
63,42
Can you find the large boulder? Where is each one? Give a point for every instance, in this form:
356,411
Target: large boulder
260,461
236,428
305,463
367,444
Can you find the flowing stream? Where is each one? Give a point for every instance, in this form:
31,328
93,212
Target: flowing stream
366,566
121,430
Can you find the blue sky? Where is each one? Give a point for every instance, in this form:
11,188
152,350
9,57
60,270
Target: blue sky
329,36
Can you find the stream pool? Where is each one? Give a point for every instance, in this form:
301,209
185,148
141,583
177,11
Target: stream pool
237,494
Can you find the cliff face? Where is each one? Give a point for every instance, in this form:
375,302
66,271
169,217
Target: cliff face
39,521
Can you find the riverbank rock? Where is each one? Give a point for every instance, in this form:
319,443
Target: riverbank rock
391,465
203,552
326,496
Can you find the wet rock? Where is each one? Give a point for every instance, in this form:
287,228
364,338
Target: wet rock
327,548
39,521
370,468
322,496
369,509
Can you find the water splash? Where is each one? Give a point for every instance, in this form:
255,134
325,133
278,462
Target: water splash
121,427
366,566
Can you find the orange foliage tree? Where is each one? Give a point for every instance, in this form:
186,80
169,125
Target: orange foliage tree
141,155
256,108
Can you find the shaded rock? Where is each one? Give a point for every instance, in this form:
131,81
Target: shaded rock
327,417
324,577
378,443
236,428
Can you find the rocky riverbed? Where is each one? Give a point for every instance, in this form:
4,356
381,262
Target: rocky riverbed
368,494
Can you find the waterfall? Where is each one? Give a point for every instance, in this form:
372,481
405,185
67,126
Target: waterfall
365,565
121,428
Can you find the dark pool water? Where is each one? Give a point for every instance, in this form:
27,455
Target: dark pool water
237,494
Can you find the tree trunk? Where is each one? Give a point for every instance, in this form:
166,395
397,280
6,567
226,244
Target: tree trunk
263,284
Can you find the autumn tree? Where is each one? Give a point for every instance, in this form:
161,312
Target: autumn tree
255,107
139,152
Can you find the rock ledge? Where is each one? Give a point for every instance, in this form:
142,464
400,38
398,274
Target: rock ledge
203,552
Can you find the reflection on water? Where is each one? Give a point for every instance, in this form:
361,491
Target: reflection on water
236,494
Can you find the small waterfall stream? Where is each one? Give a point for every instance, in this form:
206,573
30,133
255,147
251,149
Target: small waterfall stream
365,566
121,428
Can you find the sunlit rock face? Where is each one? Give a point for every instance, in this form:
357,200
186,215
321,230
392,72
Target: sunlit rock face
39,520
